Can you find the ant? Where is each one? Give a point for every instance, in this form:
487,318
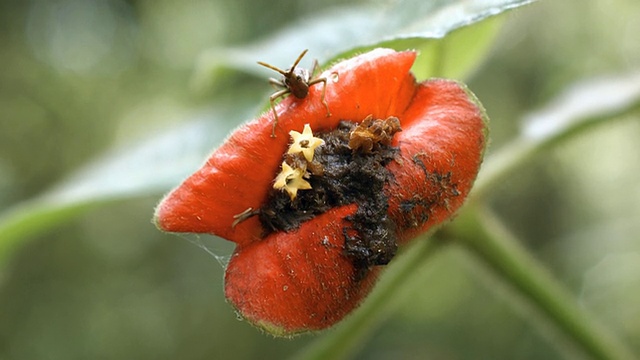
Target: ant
294,81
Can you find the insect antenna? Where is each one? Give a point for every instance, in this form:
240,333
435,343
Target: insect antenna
298,59
283,72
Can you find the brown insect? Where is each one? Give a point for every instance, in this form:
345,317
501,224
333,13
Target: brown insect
296,81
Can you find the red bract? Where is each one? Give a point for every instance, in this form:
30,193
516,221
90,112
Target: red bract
299,280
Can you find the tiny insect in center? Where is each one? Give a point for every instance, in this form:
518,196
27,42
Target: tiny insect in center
296,81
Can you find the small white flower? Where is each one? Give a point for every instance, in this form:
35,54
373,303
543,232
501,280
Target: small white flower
305,143
290,180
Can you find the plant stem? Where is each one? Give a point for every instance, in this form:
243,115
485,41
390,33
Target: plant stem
484,236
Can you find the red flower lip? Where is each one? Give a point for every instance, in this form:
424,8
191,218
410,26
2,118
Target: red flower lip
300,280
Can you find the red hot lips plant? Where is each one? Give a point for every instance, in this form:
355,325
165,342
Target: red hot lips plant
313,227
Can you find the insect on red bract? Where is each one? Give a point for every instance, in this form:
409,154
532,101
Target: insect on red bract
295,81
397,157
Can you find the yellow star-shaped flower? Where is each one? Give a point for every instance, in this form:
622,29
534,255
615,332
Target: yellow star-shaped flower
290,180
305,143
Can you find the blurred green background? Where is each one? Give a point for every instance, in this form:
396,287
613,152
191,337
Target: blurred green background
79,78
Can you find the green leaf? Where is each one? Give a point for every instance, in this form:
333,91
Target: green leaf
342,31
149,168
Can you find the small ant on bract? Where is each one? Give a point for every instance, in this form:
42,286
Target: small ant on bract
294,81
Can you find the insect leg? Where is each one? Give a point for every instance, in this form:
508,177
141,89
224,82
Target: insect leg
272,100
315,68
277,84
324,90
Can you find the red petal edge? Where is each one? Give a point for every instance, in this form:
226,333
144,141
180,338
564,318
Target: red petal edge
297,281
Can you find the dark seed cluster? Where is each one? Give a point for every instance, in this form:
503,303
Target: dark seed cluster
345,175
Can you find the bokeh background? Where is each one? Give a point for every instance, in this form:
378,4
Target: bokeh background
79,78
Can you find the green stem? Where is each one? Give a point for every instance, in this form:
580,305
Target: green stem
341,341
489,241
